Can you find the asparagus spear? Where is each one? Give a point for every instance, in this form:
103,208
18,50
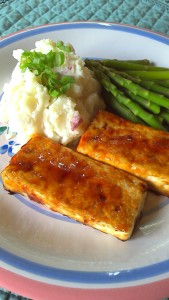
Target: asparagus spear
129,65
139,61
150,75
152,107
121,98
154,86
120,109
164,83
130,85
165,116
138,90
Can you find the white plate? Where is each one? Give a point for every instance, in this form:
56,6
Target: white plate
50,248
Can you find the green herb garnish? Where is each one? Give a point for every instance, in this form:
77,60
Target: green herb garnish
62,47
43,64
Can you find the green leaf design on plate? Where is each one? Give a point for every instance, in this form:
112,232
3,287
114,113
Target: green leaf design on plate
2,129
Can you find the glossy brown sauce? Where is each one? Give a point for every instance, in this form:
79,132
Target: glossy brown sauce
126,145
63,179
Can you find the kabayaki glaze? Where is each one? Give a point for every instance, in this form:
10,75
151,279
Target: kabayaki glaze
137,149
74,185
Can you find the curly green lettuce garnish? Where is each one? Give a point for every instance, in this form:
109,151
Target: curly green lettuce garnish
43,64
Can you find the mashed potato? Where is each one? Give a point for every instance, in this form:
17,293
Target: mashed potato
28,108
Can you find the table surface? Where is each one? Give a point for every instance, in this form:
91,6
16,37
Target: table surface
16,15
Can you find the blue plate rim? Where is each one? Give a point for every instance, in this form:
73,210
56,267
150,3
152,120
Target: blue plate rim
112,277
19,35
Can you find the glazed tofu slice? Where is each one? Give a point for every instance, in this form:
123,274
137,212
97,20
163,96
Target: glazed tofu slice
137,149
74,185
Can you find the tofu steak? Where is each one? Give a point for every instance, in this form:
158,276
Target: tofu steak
74,185
137,149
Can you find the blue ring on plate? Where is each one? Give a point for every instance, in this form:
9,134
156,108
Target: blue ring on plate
85,277
109,277
82,25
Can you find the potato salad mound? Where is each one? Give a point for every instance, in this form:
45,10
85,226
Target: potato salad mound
51,92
